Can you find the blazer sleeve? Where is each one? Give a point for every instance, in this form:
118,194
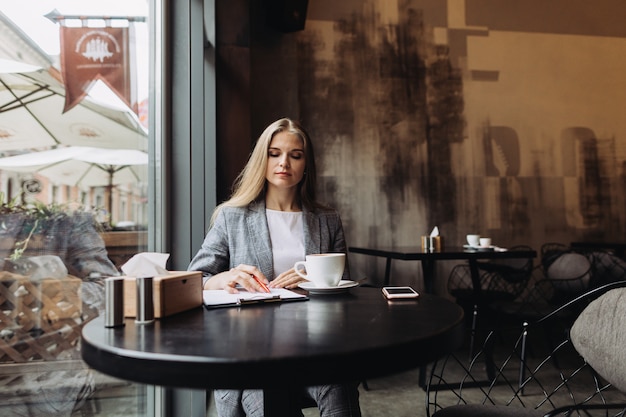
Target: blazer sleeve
340,246
332,236
339,241
213,256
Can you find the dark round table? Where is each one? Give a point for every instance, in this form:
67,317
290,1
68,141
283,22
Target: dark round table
328,339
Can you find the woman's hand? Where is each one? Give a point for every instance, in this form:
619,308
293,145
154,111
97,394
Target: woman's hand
288,279
244,275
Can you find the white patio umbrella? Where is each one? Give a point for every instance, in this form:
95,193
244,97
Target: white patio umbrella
31,114
82,166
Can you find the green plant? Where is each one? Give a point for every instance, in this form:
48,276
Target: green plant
35,216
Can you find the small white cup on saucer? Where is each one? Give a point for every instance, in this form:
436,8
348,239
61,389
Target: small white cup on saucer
324,269
473,240
485,242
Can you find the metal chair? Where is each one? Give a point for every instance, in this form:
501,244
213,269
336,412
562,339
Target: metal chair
568,274
562,275
524,386
607,267
501,280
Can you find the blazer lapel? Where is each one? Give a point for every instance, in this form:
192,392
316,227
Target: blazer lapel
312,233
259,239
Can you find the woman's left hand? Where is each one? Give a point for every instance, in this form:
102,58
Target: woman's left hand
288,279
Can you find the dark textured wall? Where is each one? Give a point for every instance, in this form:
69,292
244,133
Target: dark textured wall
499,118
474,116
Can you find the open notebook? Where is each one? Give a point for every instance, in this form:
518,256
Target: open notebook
221,298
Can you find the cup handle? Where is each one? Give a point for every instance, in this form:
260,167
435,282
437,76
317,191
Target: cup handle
295,267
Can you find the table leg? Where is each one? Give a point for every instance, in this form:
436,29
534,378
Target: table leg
282,402
475,275
478,306
428,275
387,272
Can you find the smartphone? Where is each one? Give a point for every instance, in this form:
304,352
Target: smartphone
395,293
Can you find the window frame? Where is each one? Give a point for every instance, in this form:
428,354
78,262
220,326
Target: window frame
182,129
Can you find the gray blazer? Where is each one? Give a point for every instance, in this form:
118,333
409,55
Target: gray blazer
240,235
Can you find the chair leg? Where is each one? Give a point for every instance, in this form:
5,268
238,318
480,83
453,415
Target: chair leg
522,365
473,331
488,347
490,366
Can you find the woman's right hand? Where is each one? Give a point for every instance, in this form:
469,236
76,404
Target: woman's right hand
242,275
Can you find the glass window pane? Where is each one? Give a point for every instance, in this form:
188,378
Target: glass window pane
73,193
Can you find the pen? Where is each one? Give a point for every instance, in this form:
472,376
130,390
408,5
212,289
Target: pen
261,283
272,299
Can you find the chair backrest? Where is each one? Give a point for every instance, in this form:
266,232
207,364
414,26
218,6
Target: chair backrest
507,276
599,336
554,375
607,267
570,272
551,251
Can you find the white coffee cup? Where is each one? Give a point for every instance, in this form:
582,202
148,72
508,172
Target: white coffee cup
485,242
473,240
324,269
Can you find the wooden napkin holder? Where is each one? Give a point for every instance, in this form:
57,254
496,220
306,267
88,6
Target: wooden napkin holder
172,293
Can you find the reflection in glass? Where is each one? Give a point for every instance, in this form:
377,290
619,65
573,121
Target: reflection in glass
73,195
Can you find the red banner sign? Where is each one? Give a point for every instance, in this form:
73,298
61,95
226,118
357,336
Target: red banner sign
90,54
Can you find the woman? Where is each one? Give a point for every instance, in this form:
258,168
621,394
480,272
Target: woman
271,221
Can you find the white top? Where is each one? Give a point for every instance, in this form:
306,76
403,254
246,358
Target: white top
287,237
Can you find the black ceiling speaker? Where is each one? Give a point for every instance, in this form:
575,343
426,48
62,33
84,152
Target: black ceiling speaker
287,15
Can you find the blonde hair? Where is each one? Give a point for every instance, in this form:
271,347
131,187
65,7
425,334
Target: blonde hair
250,184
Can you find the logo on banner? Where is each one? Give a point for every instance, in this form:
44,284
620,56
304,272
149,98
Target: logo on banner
95,47
91,54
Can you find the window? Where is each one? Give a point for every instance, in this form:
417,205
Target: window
168,214
65,199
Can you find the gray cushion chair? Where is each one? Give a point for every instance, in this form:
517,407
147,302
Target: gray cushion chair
590,378
562,275
501,279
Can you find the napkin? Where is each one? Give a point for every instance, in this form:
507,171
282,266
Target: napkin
435,232
146,264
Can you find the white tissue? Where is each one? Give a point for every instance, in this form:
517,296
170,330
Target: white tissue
435,232
146,264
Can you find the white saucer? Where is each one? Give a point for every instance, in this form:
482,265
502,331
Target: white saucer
344,286
491,248
479,248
